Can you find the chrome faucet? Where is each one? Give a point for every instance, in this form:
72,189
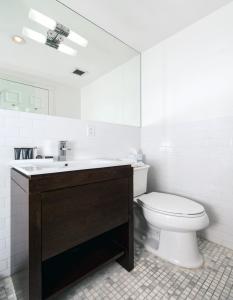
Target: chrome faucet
62,153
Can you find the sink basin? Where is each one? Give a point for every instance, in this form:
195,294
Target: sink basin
37,167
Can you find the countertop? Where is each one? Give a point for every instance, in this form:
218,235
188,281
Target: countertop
32,167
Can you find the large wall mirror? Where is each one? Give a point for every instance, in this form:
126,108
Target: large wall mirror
53,61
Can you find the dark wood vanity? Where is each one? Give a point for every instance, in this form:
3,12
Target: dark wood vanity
72,223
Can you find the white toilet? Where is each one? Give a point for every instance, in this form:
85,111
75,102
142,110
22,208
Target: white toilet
166,224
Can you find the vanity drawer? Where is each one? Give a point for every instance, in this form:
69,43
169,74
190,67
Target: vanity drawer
73,215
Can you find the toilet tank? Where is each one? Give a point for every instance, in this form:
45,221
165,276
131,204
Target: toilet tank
140,180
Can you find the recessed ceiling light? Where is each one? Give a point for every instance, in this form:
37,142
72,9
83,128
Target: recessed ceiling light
18,39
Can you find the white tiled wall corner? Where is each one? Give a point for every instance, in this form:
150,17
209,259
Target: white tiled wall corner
4,265
195,160
187,116
25,129
2,244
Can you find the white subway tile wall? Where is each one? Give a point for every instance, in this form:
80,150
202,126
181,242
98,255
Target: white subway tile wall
25,129
187,116
195,160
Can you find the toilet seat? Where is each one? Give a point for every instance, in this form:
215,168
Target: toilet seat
171,205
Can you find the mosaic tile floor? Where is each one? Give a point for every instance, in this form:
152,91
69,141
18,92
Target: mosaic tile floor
153,278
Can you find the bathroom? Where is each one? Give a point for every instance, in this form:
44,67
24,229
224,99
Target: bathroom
123,111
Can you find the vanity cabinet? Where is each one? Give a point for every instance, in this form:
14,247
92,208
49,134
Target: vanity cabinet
71,224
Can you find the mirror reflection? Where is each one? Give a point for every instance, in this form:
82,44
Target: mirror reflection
53,61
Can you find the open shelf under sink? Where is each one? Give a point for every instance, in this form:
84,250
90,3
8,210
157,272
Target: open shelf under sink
76,263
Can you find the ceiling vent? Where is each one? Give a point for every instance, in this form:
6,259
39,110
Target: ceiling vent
79,72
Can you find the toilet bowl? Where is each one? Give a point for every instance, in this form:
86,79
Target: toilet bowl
167,224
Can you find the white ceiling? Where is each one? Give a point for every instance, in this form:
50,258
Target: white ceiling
102,55
144,23
139,23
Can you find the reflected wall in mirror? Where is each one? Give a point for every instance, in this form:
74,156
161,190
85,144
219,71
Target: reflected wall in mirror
54,61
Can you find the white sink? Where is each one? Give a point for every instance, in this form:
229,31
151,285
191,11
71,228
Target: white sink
44,166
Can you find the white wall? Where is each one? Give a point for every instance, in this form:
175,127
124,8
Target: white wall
25,129
114,97
67,102
187,116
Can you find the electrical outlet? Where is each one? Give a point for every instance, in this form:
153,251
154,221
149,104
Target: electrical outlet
90,131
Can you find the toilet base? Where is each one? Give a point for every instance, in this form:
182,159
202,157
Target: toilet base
179,248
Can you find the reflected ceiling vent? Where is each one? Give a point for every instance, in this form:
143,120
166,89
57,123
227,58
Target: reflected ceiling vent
79,72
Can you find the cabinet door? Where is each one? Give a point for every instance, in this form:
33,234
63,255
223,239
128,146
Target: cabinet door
10,95
23,97
39,101
73,215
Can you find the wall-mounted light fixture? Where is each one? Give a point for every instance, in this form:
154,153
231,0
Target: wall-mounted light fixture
56,34
51,40
34,35
60,31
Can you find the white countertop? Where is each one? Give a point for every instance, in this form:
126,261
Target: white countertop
32,167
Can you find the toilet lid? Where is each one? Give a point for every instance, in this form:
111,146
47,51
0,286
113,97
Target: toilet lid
170,204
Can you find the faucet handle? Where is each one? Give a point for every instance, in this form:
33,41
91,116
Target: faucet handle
63,148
